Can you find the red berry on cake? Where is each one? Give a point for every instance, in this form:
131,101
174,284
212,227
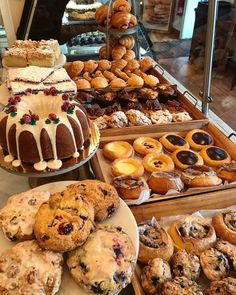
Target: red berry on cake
34,117
28,91
52,117
65,106
18,98
26,118
12,109
65,96
12,101
46,91
53,91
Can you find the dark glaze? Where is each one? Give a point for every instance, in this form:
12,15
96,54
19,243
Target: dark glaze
216,153
201,138
176,140
187,157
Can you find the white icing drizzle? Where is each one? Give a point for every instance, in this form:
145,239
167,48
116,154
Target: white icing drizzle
16,163
76,155
40,166
54,164
9,159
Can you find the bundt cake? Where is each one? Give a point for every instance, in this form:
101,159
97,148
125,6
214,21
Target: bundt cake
43,129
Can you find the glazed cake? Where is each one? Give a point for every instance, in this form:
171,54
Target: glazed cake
43,129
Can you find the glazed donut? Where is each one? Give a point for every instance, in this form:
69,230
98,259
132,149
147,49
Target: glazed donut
225,225
154,162
185,158
200,176
215,156
146,145
227,172
117,149
193,234
199,139
154,242
172,142
162,182
127,167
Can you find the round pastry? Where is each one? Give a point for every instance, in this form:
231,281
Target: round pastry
126,167
156,272
155,162
129,187
225,225
106,261
227,172
186,265
135,81
162,182
192,234
83,84
215,264
99,82
199,139
18,216
146,145
75,68
151,80
27,269
200,176
229,250
172,142
180,286
117,149
117,83
64,222
104,65
154,242
185,158
215,156
101,195
226,286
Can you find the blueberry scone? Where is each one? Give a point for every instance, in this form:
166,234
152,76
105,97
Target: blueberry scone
102,195
215,264
18,216
225,287
137,118
156,272
229,250
186,265
180,286
27,269
64,222
105,262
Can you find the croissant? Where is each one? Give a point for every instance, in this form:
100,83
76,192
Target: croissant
90,66
132,65
104,65
121,74
127,41
130,54
75,68
98,73
118,52
146,64
103,54
139,73
113,41
101,15
118,64
122,5
109,75
120,20
133,21
87,76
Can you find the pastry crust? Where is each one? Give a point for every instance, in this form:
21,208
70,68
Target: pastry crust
99,82
199,139
225,225
135,81
151,80
146,145
129,55
104,65
193,241
154,162
118,83
172,142
146,64
185,158
162,182
215,156
227,172
117,150
122,167
83,84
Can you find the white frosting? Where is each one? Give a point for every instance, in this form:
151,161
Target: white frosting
59,75
54,164
8,158
18,87
73,6
29,74
16,163
40,166
76,155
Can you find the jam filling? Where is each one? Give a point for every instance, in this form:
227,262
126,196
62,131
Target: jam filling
202,138
148,145
216,154
176,140
193,230
230,220
158,164
151,236
187,157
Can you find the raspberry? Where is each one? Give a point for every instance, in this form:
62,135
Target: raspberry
65,96
18,98
12,109
12,101
46,91
26,118
28,91
34,117
65,106
52,117
53,91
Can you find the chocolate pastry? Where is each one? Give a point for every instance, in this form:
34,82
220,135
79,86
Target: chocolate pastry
111,109
187,158
167,92
108,96
133,106
124,96
152,105
215,156
94,112
84,97
147,94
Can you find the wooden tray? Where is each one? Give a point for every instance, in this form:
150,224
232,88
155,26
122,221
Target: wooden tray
102,167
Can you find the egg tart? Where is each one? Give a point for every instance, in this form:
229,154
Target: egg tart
193,234
227,172
154,162
172,142
146,145
215,156
185,158
199,139
127,167
117,149
162,182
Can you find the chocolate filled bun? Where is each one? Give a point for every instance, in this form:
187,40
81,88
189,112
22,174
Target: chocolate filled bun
215,156
199,139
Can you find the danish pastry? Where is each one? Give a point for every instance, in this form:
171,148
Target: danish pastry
135,81
146,145
198,139
227,172
121,20
131,66
99,82
117,83
127,167
151,80
146,64
229,250
162,182
117,149
83,84
104,65
118,52
156,162
185,158
128,41
122,5
101,15
215,156
172,142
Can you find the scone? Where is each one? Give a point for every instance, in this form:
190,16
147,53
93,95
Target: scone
102,195
137,118
105,263
18,216
27,269
215,264
64,222
229,250
225,287
118,120
186,265
155,273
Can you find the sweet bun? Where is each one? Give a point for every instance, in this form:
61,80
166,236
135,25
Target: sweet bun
215,156
122,5
156,162
146,64
129,187
117,83
83,84
151,80
162,182
172,142
227,172
185,158
131,166
75,68
200,176
146,145
199,139
194,234
135,81
117,149
99,82
104,65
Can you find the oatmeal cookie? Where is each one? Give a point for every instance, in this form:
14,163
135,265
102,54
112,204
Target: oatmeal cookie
229,250
225,287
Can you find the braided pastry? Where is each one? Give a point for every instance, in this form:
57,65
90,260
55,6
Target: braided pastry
101,15
130,55
120,20
127,41
122,5
133,21
118,64
118,52
146,64
131,65
109,75
103,54
121,74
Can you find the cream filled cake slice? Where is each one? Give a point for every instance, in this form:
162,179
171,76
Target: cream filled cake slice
64,87
19,87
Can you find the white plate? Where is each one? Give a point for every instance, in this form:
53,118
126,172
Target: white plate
123,217
58,64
